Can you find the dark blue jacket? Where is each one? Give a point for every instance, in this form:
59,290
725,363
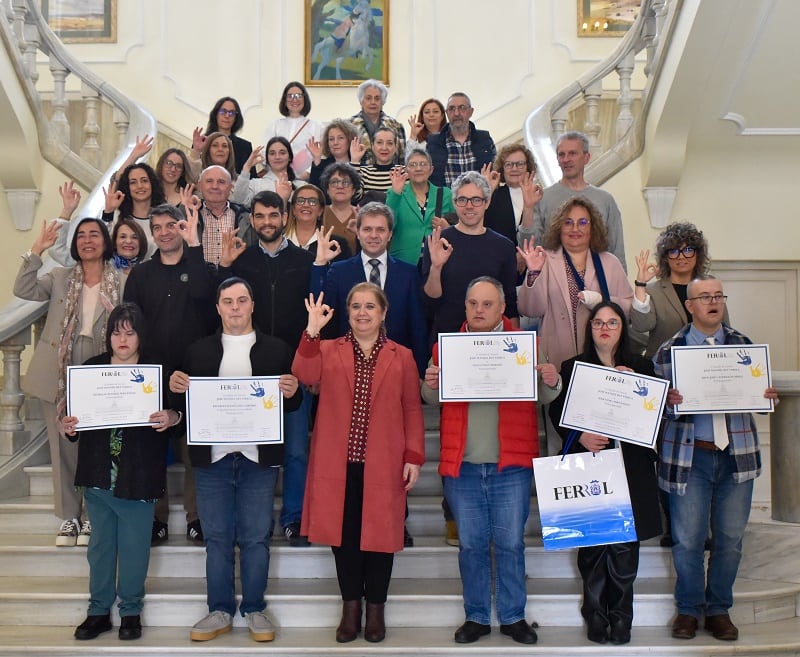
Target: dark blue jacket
482,147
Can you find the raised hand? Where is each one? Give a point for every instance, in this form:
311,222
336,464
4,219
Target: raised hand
113,196
47,236
314,147
255,158
198,139
488,172
439,248
534,256
645,270
232,247
357,150
327,247
416,126
283,186
70,199
188,226
142,147
188,199
399,177
532,192
319,314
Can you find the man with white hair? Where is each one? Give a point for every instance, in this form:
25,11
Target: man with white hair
216,214
372,96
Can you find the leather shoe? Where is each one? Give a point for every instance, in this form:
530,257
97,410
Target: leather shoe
597,629
471,631
350,625
375,627
684,627
520,631
130,628
93,626
721,627
620,632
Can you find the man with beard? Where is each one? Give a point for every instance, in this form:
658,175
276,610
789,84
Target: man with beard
279,273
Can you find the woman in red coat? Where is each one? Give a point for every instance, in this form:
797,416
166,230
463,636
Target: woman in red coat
366,451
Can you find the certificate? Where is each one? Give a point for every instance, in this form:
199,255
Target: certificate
492,366
619,405
110,396
722,378
234,410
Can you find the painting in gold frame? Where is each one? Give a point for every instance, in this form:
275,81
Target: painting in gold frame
82,21
346,42
606,18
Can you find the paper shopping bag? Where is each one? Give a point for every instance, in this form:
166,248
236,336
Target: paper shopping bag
583,500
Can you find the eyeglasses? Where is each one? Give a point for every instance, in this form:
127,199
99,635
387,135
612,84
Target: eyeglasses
173,165
707,299
418,165
612,324
457,108
571,223
294,96
303,200
226,112
340,182
515,165
686,252
474,201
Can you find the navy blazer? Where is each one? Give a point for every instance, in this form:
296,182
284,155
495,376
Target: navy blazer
405,320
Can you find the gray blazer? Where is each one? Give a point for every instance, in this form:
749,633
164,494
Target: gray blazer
40,379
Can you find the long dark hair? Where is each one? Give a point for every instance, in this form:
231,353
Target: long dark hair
186,174
108,247
238,122
281,140
157,191
622,355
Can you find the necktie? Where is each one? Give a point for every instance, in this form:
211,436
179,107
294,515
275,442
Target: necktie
375,274
720,428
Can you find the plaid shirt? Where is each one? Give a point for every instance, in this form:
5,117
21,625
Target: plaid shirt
213,227
677,436
460,158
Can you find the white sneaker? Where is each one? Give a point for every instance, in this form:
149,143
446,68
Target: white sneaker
85,534
260,627
68,534
210,627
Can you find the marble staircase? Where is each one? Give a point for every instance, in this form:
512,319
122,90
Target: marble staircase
43,592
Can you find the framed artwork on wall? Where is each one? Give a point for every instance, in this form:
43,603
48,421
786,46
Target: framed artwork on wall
346,42
606,18
82,21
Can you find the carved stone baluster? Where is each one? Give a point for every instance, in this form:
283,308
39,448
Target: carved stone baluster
652,32
12,429
625,98
592,127
18,12
31,48
559,122
58,121
90,151
122,122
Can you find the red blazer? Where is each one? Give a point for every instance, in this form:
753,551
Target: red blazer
396,436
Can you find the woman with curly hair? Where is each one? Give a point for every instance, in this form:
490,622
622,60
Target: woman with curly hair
333,147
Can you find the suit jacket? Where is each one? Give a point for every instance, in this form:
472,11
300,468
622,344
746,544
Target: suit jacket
500,214
549,299
405,320
41,377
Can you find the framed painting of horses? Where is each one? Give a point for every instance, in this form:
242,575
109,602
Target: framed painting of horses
346,42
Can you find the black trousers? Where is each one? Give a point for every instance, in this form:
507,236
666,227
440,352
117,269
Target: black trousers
361,574
608,573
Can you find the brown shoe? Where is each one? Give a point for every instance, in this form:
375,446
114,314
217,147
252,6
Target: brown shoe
721,627
350,625
684,627
451,536
375,628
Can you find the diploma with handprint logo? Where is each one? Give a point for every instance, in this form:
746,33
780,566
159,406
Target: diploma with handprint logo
111,396
492,366
623,406
722,378
234,410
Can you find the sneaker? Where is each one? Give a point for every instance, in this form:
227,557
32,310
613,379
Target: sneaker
85,534
68,534
160,532
216,623
292,534
260,627
451,535
194,532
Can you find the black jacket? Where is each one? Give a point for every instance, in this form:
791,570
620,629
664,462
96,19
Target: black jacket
481,143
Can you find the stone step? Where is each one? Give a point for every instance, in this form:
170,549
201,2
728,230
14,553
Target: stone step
179,558
779,637
307,603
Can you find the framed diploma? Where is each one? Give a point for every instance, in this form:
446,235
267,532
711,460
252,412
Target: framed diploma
619,405
232,410
494,366
722,378
110,396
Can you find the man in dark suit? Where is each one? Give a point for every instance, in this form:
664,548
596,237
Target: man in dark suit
405,321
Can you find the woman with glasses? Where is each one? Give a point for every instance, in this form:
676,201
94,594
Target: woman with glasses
417,204
608,571
568,276
225,117
305,218
174,172
296,127
340,181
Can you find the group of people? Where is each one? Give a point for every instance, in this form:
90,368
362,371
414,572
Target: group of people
332,258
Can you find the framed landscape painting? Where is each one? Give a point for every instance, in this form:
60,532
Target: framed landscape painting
346,42
82,21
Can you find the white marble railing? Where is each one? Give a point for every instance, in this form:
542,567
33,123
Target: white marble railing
578,106
78,153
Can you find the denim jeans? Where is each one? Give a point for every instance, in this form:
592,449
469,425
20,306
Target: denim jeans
711,494
295,460
234,501
491,509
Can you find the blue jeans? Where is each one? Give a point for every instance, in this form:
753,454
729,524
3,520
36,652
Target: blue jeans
234,502
295,460
491,509
711,495
119,551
